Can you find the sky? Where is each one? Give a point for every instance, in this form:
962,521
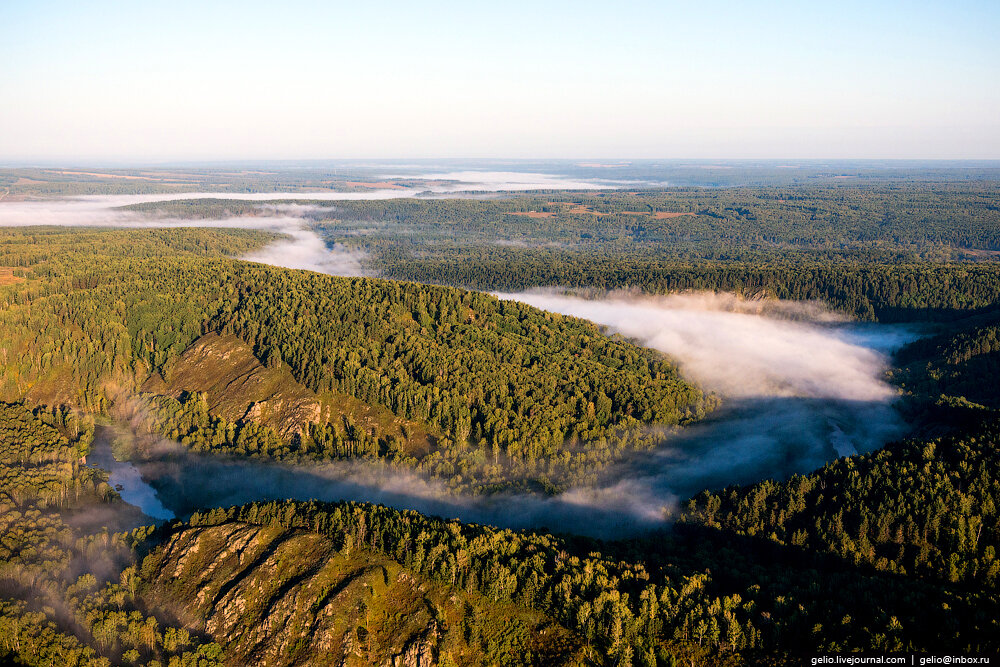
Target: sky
159,81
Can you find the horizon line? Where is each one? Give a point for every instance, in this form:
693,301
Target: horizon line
20,163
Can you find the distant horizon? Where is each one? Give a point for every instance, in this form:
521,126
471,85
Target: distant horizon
111,163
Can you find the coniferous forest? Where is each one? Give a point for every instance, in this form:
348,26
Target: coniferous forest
160,342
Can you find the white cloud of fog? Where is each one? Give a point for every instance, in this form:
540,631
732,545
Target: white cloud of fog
801,387
306,250
508,181
104,210
738,348
177,481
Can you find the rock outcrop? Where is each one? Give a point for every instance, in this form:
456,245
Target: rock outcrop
238,385
278,597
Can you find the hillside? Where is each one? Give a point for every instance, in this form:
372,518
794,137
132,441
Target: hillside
500,394
65,597
238,387
276,596
953,370
924,508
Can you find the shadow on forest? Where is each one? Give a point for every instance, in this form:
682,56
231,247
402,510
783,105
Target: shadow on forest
746,441
846,598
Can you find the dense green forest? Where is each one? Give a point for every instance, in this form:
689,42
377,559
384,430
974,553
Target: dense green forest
515,395
824,222
888,252
878,252
924,508
955,367
893,550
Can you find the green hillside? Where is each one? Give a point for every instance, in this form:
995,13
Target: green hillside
502,394
165,332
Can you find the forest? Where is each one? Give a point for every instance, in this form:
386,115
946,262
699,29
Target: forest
877,251
719,587
146,331
508,391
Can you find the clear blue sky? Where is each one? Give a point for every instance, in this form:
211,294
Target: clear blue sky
150,81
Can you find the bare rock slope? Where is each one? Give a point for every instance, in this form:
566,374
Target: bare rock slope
239,387
273,596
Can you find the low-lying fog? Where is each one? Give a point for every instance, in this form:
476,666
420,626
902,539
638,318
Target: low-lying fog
509,181
740,348
304,249
799,387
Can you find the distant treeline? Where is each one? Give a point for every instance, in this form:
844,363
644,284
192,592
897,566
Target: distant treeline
883,292
888,252
891,252
913,218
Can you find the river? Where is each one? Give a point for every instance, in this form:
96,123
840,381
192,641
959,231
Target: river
792,419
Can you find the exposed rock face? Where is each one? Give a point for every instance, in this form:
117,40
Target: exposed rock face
419,651
294,414
274,597
238,386
223,367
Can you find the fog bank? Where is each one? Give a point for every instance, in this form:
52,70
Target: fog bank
507,181
741,348
800,387
304,249
183,481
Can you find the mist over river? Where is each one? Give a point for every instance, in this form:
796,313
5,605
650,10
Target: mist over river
798,385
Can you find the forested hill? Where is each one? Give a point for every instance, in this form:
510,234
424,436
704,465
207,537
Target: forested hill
839,560
926,508
510,392
473,595
956,369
